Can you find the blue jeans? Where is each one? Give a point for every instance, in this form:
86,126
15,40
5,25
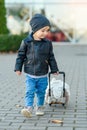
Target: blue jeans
38,86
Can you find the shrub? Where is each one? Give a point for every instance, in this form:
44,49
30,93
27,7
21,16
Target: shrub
3,27
10,42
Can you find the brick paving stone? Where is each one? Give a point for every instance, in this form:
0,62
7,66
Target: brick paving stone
12,129
64,116
80,128
4,123
9,127
75,125
59,128
23,125
33,128
82,121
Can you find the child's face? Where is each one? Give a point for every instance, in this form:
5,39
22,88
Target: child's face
42,33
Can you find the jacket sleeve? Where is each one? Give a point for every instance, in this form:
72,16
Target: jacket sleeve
20,57
52,61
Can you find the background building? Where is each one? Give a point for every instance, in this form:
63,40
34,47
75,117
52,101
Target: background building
68,17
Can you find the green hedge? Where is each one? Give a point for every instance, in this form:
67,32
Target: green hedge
10,42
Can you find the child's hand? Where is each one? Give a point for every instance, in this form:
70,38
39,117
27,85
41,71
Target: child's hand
18,73
56,73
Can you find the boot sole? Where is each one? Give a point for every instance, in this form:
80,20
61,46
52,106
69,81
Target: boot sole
39,114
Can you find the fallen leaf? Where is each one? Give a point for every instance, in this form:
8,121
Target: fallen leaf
57,121
18,106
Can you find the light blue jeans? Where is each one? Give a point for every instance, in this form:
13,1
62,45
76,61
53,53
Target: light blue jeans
38,86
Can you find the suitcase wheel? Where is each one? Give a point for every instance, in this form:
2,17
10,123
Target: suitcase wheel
64,105
50,104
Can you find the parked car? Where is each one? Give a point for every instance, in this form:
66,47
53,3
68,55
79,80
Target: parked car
57,36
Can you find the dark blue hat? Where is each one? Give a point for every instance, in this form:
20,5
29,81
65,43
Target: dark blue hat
38,21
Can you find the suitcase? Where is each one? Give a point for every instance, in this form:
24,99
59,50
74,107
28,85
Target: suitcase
63,95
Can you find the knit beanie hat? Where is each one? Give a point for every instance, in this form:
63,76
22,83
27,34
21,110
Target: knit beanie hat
39,21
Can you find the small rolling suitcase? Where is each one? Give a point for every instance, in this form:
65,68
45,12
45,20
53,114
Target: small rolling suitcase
63,98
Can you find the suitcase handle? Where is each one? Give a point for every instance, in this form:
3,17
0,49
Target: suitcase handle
60,72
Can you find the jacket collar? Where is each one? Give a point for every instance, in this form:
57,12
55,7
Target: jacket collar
30,37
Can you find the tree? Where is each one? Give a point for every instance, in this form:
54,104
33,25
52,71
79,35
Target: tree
3,27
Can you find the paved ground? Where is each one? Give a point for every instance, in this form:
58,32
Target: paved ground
73,60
